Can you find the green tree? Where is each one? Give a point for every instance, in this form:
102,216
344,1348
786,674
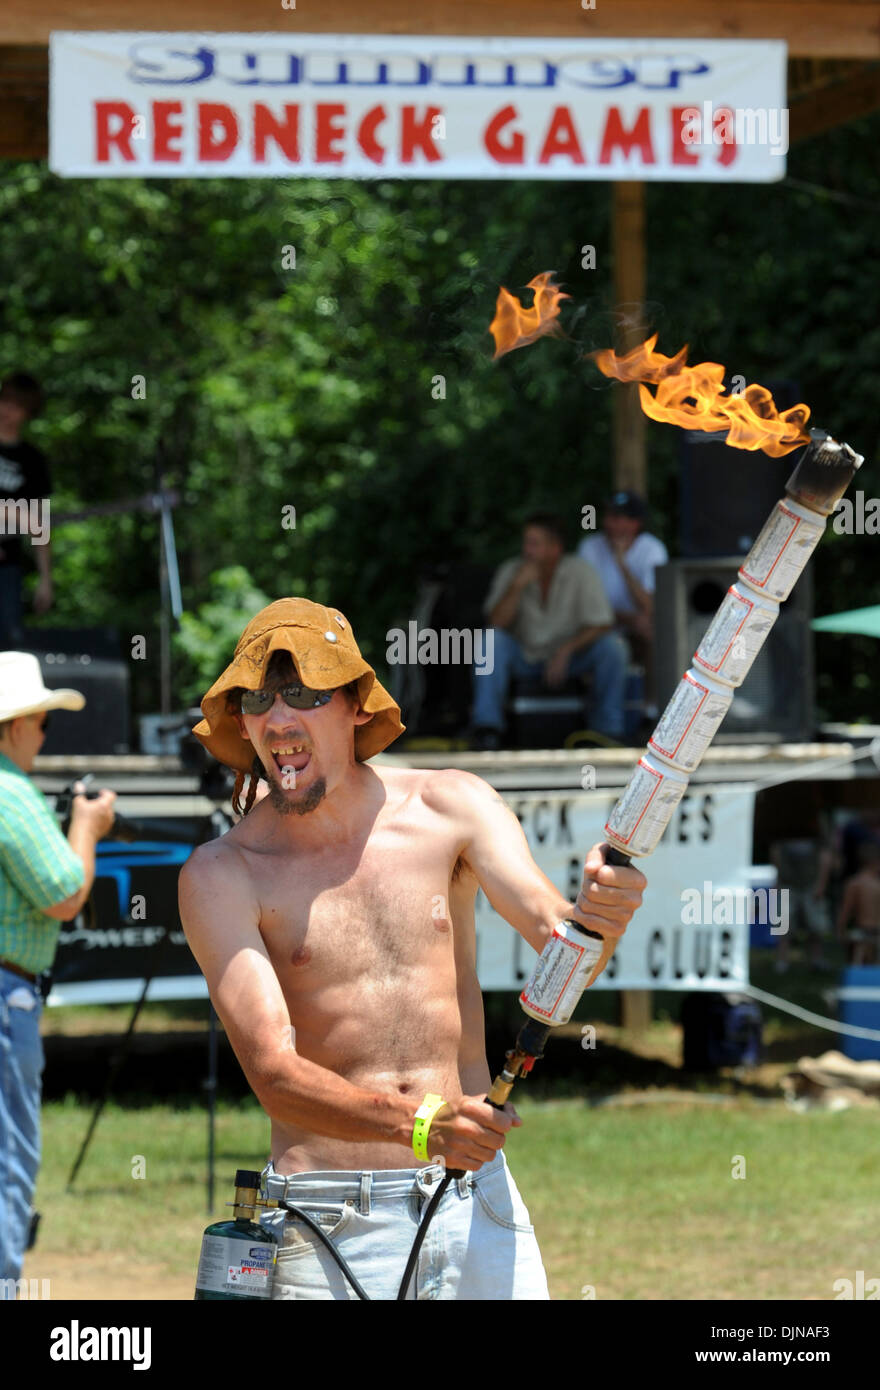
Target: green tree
269,385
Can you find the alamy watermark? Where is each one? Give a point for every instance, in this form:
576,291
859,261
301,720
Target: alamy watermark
450,646
724,907
26,516
860,1288
76,1343
24,1288
725,125
857,516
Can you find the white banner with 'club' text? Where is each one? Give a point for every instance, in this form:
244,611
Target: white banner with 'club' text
693,929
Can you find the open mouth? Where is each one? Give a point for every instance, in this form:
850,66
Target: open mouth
291,755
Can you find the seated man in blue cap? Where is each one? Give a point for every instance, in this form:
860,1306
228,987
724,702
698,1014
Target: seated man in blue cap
626,556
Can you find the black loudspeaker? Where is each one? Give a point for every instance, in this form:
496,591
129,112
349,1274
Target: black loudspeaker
103,725
717,519
720,519
776,697
97,641
436,700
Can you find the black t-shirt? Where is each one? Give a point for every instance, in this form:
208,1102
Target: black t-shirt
24,472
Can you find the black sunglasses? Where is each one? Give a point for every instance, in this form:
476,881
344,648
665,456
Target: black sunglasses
296,696
44,724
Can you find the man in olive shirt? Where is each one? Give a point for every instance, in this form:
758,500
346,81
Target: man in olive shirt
25,480
44,881
552,618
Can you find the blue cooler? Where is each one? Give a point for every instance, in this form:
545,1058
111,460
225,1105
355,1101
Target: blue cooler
762,879
859,997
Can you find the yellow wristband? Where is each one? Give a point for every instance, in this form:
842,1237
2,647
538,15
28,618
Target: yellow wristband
423,1117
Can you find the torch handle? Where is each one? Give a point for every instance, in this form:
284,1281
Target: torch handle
460,1172
529,1047
617,857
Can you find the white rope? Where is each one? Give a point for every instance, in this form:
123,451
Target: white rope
852,1030
821,765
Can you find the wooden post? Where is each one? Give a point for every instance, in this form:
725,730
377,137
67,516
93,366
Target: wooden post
628,234
635,1009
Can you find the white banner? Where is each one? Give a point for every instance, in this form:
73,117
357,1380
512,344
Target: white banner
351,106
692,930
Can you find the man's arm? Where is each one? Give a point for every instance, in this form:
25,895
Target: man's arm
89,821
847,908
42,551
596,618
640,596
556,667
826,864
584,637
43,592
494,846
37,859
220,916
504,610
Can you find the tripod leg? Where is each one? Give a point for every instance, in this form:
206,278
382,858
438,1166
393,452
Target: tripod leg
117,1065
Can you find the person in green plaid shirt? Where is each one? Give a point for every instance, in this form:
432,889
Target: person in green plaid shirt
44,881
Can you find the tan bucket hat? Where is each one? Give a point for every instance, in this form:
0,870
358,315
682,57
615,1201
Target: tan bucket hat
326,655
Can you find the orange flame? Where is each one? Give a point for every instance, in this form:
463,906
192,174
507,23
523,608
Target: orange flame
694,398
514,327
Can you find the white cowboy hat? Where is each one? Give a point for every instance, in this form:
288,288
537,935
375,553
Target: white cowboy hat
22,690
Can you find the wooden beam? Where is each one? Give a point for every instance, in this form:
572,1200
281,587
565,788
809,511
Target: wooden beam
628,241
835,105
24,103
807,75
818,28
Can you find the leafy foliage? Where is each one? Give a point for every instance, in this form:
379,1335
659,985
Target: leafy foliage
315,386
207,639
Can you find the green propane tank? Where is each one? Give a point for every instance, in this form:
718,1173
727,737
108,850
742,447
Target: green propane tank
238,1256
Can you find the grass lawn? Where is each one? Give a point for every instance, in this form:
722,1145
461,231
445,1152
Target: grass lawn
634,1199
638,1202
641,1203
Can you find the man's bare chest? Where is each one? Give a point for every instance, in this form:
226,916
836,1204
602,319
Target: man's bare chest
329,920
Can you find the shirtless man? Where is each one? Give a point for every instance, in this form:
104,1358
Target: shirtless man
861,904
334,925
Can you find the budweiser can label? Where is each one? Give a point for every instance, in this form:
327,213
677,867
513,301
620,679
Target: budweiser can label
780,554
735,635
560,975
690,721
646,806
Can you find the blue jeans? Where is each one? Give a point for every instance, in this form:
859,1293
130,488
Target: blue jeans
10,607
480,1244
21,1070
605,660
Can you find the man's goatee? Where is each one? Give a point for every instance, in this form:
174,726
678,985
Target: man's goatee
285,807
